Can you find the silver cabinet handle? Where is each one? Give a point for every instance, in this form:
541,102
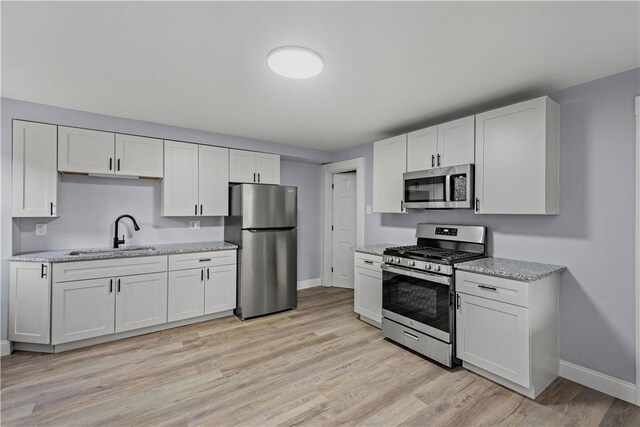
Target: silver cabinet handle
51,205
196,207
200,209
207,274
488,288
477,204
368,262
110,286
110,163
254,177
202,275
43,271
438,160
204,260
118,285
118,165
413,337
433,161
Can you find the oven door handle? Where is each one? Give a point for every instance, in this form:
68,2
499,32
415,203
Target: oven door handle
447,188
438,278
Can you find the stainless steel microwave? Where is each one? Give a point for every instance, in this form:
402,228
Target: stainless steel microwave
440,188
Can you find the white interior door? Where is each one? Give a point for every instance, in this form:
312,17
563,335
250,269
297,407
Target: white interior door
343,236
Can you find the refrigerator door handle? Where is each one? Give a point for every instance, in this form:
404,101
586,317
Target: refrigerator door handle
262,230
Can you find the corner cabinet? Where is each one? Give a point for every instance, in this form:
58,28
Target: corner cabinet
196,180
447,144
507,330
35,170
253,167
389,163
367,297
517,159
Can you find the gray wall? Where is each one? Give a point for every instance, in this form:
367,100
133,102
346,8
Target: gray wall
87,208
593,235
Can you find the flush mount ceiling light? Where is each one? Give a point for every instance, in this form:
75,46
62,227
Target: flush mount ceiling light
295,62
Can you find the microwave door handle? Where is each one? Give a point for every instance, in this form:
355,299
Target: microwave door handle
447,188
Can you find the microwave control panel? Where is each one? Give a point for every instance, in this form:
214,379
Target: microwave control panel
446,231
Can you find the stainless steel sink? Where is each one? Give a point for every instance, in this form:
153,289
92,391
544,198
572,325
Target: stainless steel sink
107,251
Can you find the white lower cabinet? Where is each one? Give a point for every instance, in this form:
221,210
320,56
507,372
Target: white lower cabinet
220,289
186,294
494,336
206,290
30,302
367,299
82,309
141,301
507,330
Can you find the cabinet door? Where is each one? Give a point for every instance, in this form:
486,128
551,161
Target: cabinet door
213,186
494,336
180,183
242,166
268,168
82,309
35,170
138,156
85,151
29,306
517,159
368,293
141,301
422,149
220,289
456,142
389,163
186,294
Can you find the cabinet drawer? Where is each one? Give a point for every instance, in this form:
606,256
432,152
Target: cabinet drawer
82,270
368,261
495,288
201,259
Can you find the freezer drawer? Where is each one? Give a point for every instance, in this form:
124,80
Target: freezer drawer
267,272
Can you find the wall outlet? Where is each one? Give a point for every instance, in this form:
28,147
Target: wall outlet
41,229
368,209
194,225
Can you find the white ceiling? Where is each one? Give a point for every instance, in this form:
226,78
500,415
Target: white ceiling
389,67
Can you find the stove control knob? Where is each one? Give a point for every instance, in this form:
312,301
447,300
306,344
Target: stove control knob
427,266
411,263
436,268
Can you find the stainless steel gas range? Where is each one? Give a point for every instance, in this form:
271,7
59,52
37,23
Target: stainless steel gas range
418,288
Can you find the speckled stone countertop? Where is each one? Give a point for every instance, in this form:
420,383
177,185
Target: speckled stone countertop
376,249
136,251
511,268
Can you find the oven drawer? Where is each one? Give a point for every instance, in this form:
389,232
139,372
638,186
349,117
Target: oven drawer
417,341
495,288
368,261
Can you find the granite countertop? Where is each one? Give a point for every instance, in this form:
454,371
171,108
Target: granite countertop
135,251
511,268
376,249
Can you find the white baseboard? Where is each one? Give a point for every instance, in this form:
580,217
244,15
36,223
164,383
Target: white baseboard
623,390
5,348
310,283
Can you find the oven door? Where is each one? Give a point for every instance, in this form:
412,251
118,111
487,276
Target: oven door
419,300
441,188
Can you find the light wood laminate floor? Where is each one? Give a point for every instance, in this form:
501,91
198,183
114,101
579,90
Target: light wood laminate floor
317,365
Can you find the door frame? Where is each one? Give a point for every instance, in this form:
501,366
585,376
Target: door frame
638,250
328,170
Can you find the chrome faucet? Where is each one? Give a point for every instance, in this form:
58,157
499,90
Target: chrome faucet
117,242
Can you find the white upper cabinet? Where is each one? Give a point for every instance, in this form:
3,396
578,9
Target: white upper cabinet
422,149
389,163
196,180
268,168
252,167
456,142
447,144
517,159
139,156
35,171
180,183
85,151
213,186
242,166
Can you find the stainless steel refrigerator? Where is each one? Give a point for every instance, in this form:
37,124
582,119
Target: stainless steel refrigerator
262,222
